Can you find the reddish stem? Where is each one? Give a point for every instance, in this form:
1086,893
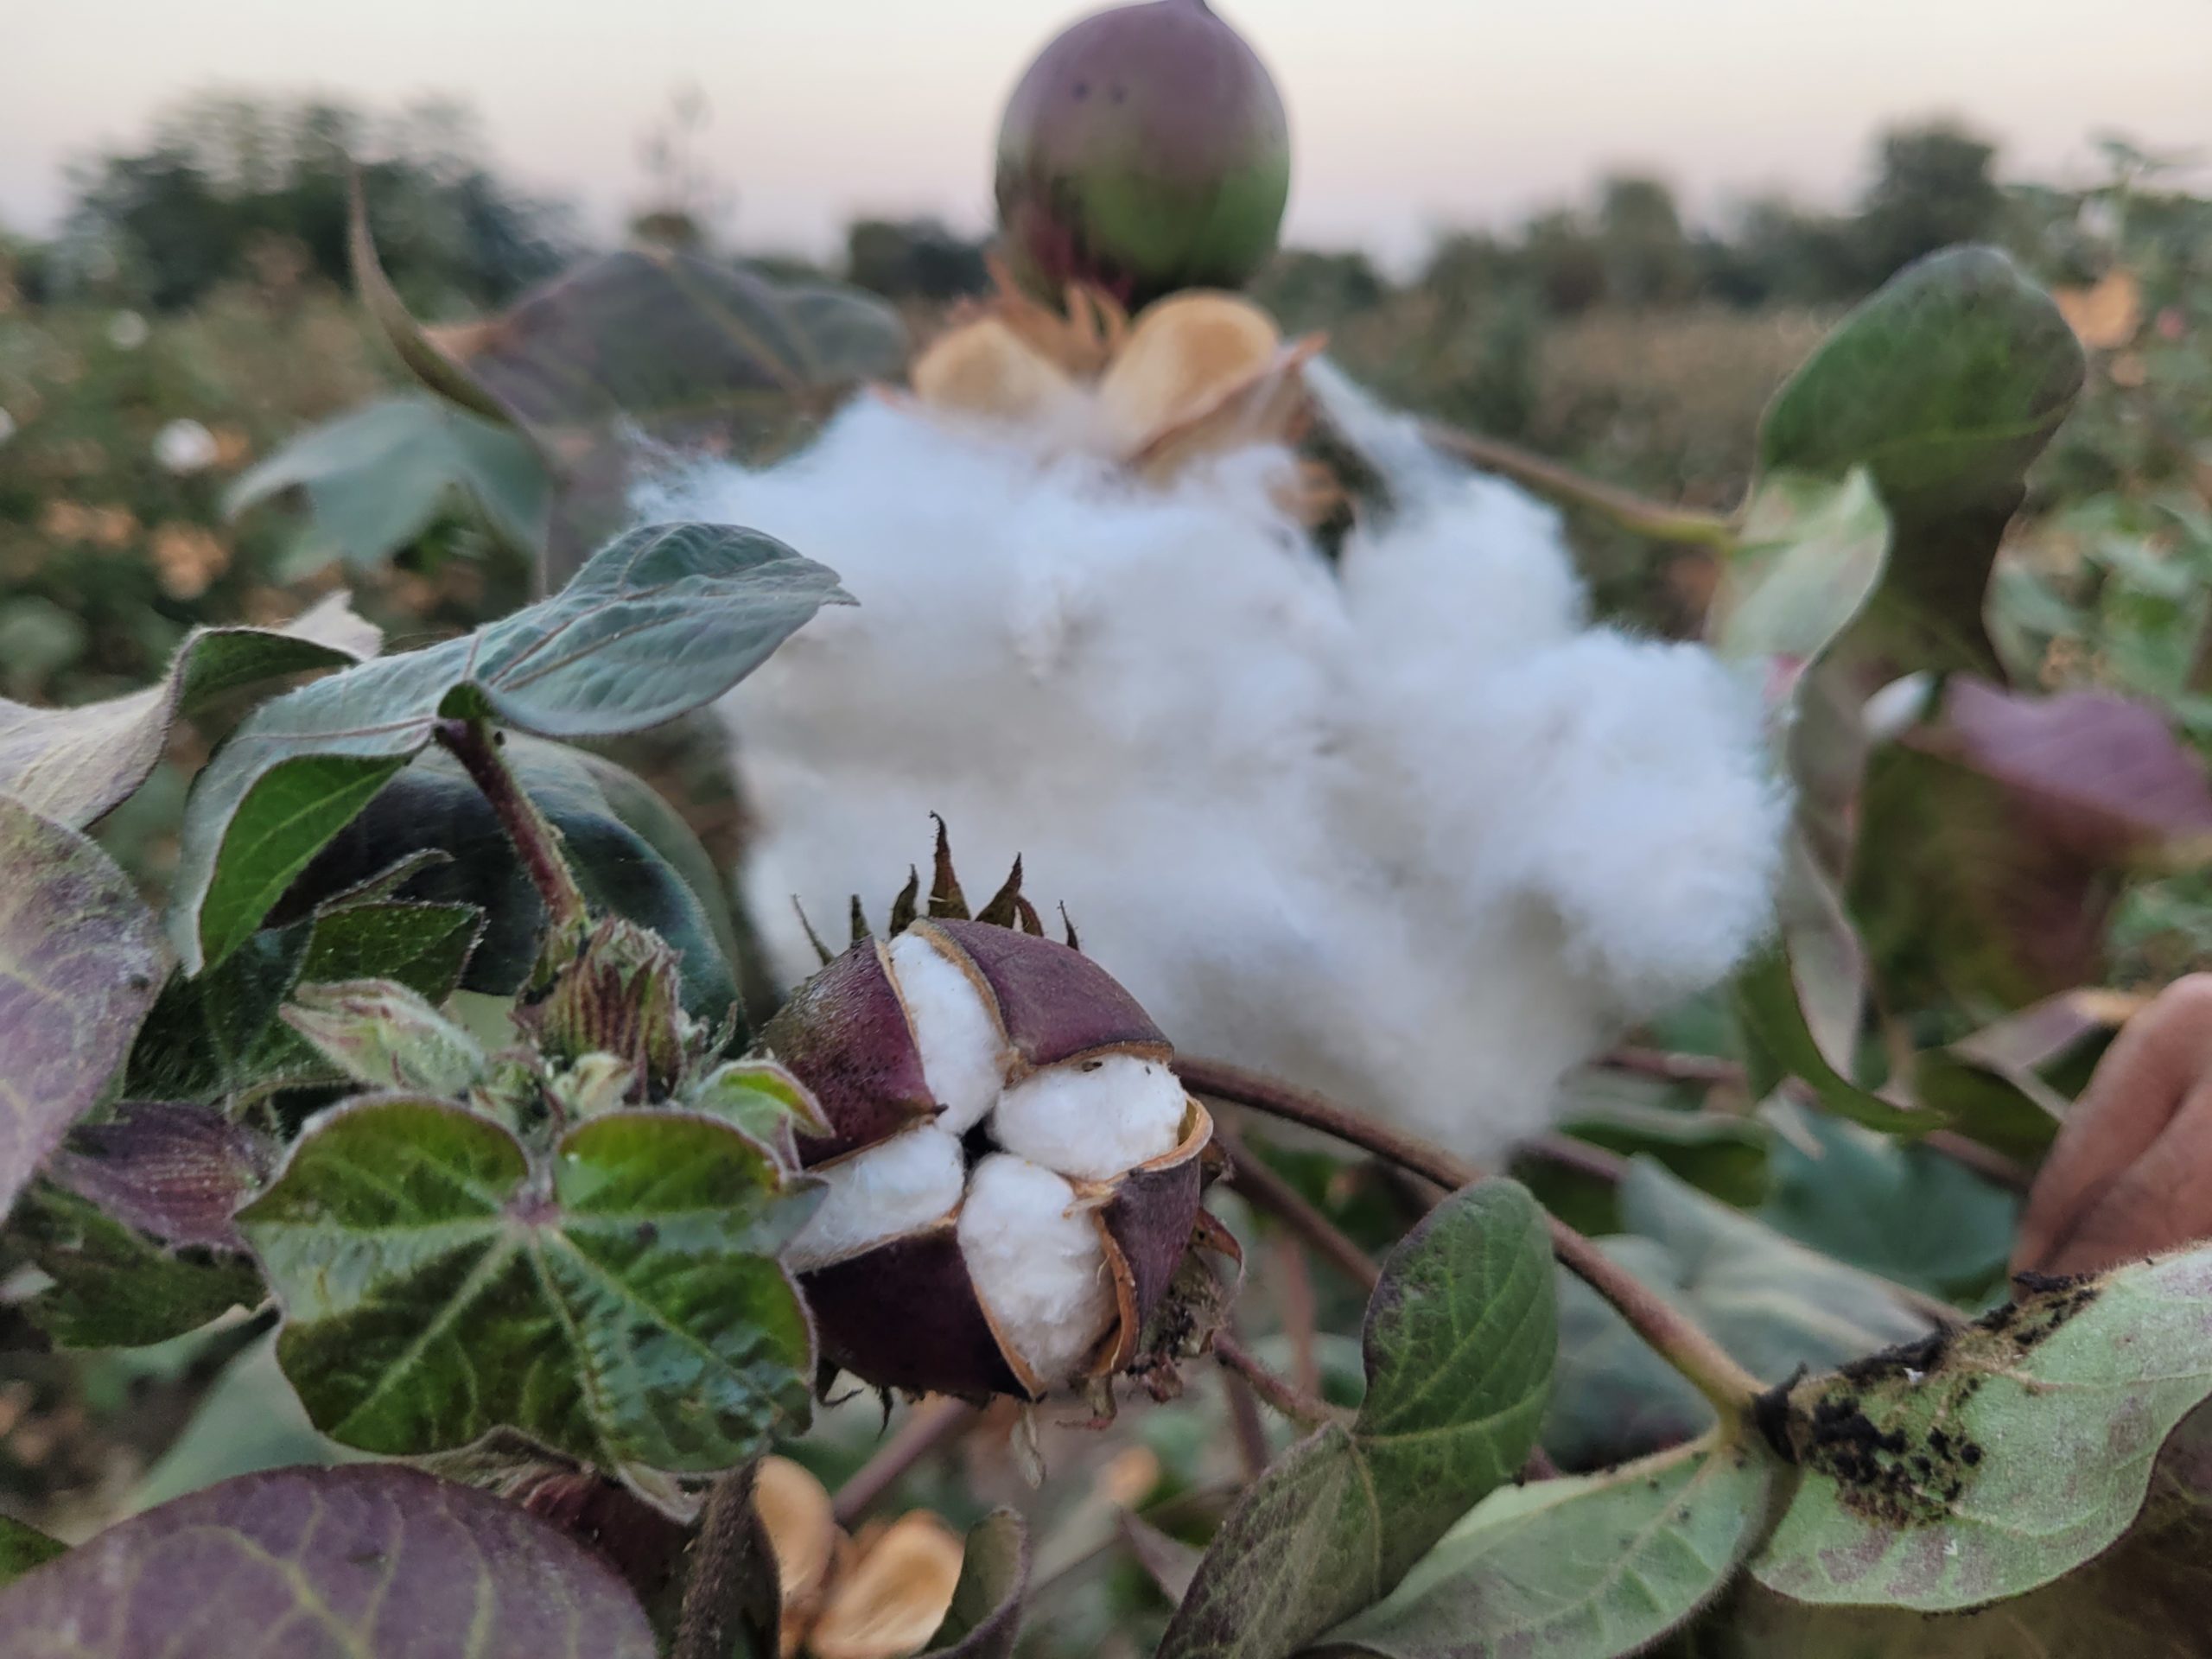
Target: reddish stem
471,742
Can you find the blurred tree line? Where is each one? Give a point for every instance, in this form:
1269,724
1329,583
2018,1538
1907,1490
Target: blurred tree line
231,186
227,185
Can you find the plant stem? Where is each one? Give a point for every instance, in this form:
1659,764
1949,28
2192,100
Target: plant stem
1630,511
1710,1068
1674,1338
1284,1396
936,1423
1579,1156
1244,1425
1271,1194
471,742
728,1563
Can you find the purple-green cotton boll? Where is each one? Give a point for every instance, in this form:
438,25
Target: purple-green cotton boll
1144,150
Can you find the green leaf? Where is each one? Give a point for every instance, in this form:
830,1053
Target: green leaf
2143,1598
1945,386
1779,1044
206,1036
369,1563
76,765
114,1287
1581,1567
985,1616
1770,1302
618,1300
1896,1210
22,1547
1962,1471
80,962
1459,1346
377,477
1809,557
432,805
424,947
661,621
249,1420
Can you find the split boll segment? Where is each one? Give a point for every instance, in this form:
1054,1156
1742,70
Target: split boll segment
1013,1168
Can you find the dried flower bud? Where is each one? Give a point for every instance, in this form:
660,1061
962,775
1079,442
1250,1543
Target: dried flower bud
1013,1166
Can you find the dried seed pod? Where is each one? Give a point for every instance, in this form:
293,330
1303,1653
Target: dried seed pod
1014,1169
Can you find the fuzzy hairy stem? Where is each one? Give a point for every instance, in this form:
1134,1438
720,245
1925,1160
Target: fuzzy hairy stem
931,1425
1285,1397
472,743
1625,508
1679,1341
732,1573
1272,1195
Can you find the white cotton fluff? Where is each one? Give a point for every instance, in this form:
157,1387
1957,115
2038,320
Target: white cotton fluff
962,1053
1038,1263
1410,831
1094,1118
895,1186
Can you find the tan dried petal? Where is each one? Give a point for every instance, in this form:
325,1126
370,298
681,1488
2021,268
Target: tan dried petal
985,368
1183,355
2106,315
892,1601
801,1524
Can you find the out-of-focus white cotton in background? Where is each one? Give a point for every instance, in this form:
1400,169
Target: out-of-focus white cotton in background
1410,831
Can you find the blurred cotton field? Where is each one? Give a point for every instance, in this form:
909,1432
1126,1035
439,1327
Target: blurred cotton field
1403,826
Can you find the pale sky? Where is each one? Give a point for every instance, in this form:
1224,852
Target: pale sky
1406,115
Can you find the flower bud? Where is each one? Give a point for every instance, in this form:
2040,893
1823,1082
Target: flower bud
1012,1167
1144,150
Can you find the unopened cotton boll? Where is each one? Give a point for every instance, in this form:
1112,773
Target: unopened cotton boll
962,1048
1091,1119
892,1188
1038,1263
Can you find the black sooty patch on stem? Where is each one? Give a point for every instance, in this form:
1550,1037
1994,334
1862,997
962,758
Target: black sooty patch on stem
1891,1429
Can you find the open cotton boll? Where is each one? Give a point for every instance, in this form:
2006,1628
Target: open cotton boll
963,1052
1038,1263
1092,1118
894,1187
1408,831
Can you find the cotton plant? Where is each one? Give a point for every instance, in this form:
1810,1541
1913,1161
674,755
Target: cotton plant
1391,817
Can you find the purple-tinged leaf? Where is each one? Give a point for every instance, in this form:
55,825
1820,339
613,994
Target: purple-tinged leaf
172,1170
986,1612
76,765
369,1563
80,962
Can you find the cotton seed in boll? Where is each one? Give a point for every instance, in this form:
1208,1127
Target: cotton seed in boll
897,1186
1038,1264
1094,1118
963,1053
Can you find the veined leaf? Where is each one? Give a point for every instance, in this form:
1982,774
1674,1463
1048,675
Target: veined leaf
370,1562
1586,1567
80,962
618,1300
1458,1348
660,621
1975,1466
76,765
